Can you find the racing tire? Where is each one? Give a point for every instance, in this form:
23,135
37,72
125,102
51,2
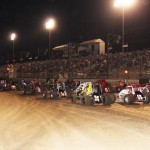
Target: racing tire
113,98
88,100
30,89
54,95
32,92
147,98
1,89
107,100
82,100
44,95
18,88
74,98
129,99
24,92
69,93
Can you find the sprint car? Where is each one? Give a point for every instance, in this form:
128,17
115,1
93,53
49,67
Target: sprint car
97,95
134,93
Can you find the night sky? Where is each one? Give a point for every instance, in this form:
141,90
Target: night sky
77,21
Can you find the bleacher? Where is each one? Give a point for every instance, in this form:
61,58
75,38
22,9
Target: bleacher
106,66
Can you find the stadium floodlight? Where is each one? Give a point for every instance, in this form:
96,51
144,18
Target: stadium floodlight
12,38
49,25
123,4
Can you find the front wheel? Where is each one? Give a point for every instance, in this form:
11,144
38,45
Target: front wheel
129,99
24,91
53,95
44,94
147,98
1,89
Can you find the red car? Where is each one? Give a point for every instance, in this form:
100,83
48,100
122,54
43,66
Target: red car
6,85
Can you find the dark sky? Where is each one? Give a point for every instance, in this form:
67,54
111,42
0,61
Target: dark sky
77,20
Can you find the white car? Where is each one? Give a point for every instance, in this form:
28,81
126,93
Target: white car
134,93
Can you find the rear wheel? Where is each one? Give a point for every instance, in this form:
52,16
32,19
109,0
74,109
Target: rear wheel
147,98
113,98
69,92
88,100
129,99
31,89
18,87
82,100
74,98
107,100
69,95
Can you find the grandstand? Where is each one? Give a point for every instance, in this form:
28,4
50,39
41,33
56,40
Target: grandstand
108,66
84,60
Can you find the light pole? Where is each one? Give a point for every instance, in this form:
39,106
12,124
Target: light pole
111,38
123,4
12,38
49,25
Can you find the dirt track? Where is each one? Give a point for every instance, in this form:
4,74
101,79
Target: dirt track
31,123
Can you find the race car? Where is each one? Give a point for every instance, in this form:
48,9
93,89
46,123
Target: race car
89,94
7,84
54,91
146,85
28,87
134,93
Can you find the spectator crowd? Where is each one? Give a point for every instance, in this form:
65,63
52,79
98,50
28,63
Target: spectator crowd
86,66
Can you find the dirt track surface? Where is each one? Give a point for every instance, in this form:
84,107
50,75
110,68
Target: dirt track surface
32,123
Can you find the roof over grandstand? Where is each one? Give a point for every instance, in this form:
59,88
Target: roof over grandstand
93,41
61,46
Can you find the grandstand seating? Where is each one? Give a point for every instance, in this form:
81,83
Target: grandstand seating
106,66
